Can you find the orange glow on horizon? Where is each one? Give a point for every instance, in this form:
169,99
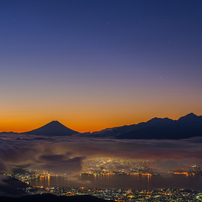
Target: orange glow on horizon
94,109
85,124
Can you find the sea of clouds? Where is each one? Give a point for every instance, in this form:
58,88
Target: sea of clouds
65,155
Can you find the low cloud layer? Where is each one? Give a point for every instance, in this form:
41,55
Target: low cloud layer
64,155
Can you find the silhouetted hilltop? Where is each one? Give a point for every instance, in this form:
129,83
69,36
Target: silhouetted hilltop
51,198
116,131
11,186
190,118
185,127
53,128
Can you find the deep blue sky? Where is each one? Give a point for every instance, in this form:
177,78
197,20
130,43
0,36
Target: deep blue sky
99,63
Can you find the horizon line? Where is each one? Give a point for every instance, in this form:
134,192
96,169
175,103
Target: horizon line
97,130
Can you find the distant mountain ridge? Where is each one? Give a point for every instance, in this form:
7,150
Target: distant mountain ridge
185,127
156,128
54,128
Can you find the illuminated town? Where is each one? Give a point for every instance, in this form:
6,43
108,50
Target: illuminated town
104,166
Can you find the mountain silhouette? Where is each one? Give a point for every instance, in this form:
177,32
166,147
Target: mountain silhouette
116,131
189,118
53,128
156,128
185,127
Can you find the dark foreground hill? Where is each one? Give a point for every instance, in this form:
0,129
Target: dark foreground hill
53,128
157,128
11,186
51,198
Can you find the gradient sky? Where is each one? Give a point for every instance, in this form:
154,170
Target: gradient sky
97,64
